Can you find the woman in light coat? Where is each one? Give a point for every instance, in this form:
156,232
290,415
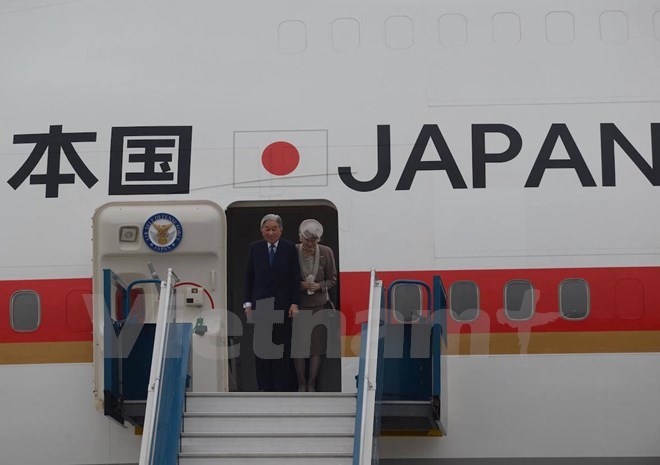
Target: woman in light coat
318,273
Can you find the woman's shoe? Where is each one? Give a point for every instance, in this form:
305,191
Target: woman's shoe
302,388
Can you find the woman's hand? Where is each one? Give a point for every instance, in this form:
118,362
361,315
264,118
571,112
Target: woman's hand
307,285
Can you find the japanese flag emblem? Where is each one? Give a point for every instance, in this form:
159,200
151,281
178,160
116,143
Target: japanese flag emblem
292,158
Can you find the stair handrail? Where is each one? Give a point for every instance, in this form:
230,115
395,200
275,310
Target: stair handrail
367,378
164,317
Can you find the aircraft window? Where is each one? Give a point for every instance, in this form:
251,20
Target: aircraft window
629,299
407,302
25,311
399,32
560,27
78,315
614,27
464,300
519,300
292,36
345,34
452,30
574,299
506,28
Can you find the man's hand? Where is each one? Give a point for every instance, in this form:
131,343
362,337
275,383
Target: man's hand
248,313
293,310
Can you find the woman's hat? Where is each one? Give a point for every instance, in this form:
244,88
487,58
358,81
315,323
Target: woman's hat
310,229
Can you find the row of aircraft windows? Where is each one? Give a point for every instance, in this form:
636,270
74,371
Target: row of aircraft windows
25,311
519,300
464,300
505,29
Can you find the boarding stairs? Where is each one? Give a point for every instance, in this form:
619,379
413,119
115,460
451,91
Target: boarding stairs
402,395
268,428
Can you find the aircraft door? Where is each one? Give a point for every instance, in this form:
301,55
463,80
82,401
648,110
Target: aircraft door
243,220
138,242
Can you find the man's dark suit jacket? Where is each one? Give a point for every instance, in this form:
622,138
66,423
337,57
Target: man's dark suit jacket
281,280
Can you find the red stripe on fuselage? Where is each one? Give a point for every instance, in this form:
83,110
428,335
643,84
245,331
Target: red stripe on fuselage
64,312
610,308
65,317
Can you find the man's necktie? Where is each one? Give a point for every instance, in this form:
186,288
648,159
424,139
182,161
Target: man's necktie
271,253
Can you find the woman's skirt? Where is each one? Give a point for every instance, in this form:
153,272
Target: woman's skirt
310,334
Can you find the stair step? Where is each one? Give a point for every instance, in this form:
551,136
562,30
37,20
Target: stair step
264,423
265,459
272,443
268,428
271,403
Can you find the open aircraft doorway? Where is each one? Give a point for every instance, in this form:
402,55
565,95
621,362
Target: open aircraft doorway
243,219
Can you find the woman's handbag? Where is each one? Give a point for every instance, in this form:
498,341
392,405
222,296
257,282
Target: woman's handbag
329,306
333,325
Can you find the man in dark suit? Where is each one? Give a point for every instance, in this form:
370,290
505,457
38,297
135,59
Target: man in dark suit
272,282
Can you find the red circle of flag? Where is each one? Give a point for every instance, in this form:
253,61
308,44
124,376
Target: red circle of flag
280,158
